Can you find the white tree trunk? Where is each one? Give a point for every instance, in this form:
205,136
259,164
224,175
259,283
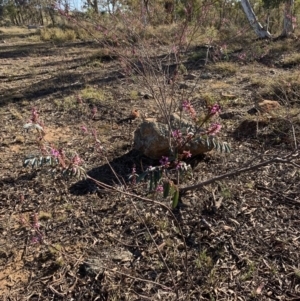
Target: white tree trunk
289,20
258,28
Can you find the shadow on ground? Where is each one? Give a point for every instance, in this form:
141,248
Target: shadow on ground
64,83
120,166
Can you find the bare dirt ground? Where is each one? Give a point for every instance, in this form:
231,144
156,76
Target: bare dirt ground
241,235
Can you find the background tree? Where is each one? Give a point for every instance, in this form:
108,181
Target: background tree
261,31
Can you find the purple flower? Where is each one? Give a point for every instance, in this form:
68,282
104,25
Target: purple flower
34,115
54,152
35,223
215,109
186,104
214,129
84,129
176,134
164,161
159,188
187,154
36,239
177,165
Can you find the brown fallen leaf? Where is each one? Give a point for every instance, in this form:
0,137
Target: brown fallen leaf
227,95
259,289
227,228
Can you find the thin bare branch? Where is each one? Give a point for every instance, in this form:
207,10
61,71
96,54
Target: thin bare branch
287,160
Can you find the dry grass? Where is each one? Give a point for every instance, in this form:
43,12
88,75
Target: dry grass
224,68
14,30
57,34
291,60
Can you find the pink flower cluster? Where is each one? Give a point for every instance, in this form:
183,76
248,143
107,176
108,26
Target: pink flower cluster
54,152
159,188
34,224
164,161
214,129
215,109
177,134
84,129
187,106
186,154
35,117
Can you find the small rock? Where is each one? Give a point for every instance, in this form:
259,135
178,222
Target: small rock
267,106
227,115
186,85
151,138
148,96
91,267
190,76
206,75
183,85
145,95
252,111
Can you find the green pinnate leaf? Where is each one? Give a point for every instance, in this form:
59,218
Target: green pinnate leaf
157,177
166,186
35,161
151,182
175,199
142,176
207,142
213,142
30,125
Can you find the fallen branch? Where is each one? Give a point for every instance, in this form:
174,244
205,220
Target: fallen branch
287,160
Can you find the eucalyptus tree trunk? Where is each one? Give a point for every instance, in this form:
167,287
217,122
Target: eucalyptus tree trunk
288,19
260,31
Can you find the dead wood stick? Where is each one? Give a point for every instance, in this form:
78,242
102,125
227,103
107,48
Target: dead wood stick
287,159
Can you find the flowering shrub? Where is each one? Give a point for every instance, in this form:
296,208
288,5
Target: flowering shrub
34,225
57,159
166,177
133,51
174,169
